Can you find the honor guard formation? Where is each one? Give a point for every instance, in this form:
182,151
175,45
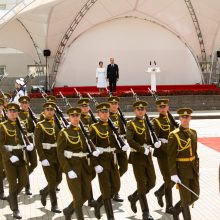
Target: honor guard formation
85,147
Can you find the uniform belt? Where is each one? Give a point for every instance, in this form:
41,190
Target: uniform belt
69,154
11,147
187,159
107,149
133,150
47,146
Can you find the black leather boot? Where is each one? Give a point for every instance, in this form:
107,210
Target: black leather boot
53,199
117,198
44,193
176,211
144,207
169,201
159,194
108,209
186,213
98,205
13,201
79,213
91,201
28,188
68,211
133,198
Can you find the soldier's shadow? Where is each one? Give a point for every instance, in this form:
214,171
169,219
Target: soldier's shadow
3,204
164,216
48,215
25,199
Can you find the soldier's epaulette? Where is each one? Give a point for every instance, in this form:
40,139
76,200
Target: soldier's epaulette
175,131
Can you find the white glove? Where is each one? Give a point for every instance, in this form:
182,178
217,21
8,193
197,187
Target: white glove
14,159
175,179
125,147
72,174
45,163
98,169
30,147
96,153
163,140
157,144
100,150
146,151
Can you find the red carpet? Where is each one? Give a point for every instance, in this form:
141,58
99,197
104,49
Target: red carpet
212,142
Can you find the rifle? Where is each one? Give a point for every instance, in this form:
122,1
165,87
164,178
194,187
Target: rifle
3,76
60,126
119,140
154,137
173,121
34,118
90,111
89,141
120,111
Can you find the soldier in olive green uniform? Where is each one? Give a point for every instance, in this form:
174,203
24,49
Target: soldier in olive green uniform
86,119
11,148
118,123
2,173
31,154
163,127
109,180
183,163
139,139
74,157
46,143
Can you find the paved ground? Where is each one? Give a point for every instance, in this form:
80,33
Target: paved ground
207,208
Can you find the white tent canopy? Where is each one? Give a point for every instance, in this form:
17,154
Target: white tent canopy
46,21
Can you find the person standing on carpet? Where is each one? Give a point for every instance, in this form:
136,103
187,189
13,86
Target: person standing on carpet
101,77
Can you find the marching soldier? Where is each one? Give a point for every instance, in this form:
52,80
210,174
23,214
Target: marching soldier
2,172
11,148
184,163
73,154
163,127
49,98
109,180
45,135
121,157
31,154
138,137
86,119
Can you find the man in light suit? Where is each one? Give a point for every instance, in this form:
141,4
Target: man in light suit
112,75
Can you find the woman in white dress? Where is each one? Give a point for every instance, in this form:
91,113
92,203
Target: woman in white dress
101,79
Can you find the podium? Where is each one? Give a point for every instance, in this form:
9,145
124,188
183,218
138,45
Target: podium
153,71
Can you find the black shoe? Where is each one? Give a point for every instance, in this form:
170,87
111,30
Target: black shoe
117,198
147,216
43,197
91,203
133,203
17,214
68,212
28,192
55,209
169,210
57,189
2,196
159,198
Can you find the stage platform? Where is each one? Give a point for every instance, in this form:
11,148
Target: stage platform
206,208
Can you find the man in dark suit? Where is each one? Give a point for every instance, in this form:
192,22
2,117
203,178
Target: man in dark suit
112,75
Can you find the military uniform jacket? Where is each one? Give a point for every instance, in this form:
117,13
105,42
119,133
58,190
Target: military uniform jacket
26,119
163,127
102,136
71,139
87,121
137,135
10,135
116,119
46,132
182,145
